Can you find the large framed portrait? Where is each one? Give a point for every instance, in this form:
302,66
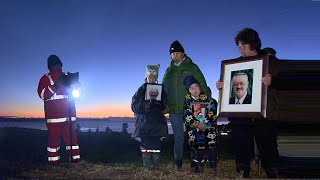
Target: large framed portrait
153,92
200,109
243,94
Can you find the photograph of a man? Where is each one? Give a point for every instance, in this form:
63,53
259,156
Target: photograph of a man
153,93
240,89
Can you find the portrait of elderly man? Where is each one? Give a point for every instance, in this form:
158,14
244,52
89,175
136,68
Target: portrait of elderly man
240,86
153,93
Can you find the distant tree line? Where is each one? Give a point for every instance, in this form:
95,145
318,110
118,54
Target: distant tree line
107,130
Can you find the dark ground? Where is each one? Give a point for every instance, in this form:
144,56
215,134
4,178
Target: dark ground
104,156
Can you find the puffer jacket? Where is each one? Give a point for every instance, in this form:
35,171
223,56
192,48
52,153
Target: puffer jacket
207,138
173,83
153,122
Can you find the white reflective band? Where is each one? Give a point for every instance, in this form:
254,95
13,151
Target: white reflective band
53,149
55,97
56,158
73,147
195,160
150,150
50,89
42,93
51,81
76,157
58,120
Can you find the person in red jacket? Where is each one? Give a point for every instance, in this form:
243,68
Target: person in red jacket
59,110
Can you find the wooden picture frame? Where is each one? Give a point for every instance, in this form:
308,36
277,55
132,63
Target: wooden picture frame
242,83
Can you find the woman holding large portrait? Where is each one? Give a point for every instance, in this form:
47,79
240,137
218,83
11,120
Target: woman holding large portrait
244,130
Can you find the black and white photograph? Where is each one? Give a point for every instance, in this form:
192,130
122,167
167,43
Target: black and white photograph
153,92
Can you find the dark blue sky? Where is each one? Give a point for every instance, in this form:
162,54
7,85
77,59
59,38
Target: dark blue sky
110,42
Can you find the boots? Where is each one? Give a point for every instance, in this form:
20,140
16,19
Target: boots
147,162
177,165
213,166
271,172
243,170
156,160
199,167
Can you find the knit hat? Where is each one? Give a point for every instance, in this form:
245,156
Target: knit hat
189,80
153,70
53,60
176,47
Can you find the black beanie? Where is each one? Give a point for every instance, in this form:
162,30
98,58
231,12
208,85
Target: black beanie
176,47
53,60
189,80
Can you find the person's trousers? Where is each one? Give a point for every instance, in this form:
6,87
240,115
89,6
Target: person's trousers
177,123
150,150
199,156
56,131
265,134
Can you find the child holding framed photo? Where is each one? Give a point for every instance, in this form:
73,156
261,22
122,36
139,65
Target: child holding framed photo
149,105
201,125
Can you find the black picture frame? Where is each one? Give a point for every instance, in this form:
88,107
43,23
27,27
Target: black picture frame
155,89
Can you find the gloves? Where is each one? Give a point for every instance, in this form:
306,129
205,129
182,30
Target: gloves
201,126
166,110
154,104
60,82
146,105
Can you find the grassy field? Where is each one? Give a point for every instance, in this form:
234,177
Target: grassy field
104,156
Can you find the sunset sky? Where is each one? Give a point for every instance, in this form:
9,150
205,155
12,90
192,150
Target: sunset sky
110,42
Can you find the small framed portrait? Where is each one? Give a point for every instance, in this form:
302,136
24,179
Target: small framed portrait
200,109
153,92
243,93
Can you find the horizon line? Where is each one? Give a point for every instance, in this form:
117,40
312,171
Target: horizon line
76,117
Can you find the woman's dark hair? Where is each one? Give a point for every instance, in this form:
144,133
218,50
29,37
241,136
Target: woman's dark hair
249,36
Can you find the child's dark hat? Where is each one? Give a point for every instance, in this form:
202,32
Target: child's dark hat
189,80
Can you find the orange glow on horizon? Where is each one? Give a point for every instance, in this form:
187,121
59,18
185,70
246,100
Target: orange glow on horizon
105,111
94,112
